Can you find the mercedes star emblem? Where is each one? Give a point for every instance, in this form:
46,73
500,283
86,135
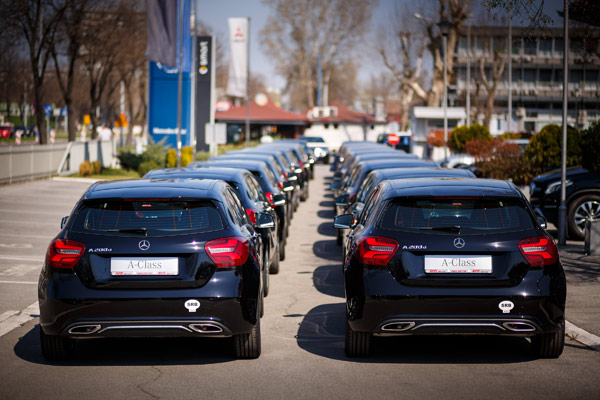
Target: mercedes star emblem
145,245
459,243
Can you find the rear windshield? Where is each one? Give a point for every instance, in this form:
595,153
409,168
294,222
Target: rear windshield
151,217
471,215
313,139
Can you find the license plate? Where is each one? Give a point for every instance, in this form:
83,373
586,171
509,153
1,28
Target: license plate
120,266
458,264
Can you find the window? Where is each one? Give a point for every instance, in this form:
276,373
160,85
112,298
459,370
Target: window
546,46
442,214
155,217
545,75
530,47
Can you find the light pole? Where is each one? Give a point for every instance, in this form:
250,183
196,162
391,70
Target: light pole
468,75
445,26
562,208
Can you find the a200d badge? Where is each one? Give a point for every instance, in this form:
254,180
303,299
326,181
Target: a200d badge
144,245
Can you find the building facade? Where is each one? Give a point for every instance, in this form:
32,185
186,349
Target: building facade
537,76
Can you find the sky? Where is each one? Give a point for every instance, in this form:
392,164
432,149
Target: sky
214,13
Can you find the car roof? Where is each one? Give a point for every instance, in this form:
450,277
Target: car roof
159,188
400,162
201,173
422,172
459,187
246,164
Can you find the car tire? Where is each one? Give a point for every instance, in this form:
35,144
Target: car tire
274,266
262,306
357,344
580,209
247,345
282,250
55,347
266,282
549,345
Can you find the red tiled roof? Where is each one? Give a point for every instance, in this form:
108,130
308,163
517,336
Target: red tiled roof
346,115
267,114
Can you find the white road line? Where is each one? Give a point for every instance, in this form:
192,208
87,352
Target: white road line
590,340
20,282
20,258
19,319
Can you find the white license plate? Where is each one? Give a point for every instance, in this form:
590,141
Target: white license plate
120,266
458,264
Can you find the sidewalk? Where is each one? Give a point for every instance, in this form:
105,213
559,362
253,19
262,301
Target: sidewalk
583,287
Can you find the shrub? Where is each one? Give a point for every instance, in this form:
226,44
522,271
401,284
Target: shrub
171,158
187,156
202,155
97,167
146,166
544,149
590,147
461,135
436,138
85,168
129,160
156,152
503,160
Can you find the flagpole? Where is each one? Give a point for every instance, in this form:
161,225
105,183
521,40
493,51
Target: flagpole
180,83
193,76
248,88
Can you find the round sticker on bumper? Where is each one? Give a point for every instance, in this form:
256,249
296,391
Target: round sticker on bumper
192,305
506,306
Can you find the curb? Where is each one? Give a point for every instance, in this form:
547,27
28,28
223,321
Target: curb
590,340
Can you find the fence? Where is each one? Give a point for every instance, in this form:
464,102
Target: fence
26,162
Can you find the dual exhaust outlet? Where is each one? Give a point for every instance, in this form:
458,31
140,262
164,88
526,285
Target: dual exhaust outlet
198,327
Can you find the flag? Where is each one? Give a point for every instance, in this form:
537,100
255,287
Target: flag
238,65
161,26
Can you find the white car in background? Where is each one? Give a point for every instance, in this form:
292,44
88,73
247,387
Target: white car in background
318,146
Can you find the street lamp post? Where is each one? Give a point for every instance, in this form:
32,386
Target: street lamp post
445,26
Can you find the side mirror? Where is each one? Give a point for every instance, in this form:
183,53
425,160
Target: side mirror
288,186
342,200
540,218
278,200
292,178
343,221
63,221
336,185
264,221
359,207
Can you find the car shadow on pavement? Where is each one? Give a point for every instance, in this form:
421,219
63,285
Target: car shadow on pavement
327,203
328,250
327,229
328,214
132,351
321,332
328,279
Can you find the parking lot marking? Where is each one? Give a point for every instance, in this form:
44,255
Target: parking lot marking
19,319
21,258
584,337
12,235
20,282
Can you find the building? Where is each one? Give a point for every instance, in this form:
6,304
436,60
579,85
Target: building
537,76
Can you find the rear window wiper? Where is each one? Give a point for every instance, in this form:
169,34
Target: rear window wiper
449,228
141,231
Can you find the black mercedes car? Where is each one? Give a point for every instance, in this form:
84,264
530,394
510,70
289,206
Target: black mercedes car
582,198
451,256
165,258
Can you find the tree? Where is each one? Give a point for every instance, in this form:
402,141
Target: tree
529,10
491,83
37,22
590,147
544,149
299,31
461,135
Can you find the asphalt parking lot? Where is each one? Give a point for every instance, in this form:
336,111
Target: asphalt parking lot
302,330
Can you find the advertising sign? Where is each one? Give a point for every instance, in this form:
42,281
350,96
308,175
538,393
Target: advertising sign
204,88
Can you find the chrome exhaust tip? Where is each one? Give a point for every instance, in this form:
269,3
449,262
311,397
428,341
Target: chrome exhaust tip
397,326
205,328
519,326
84,329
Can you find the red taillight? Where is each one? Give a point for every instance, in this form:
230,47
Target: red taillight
351,197
228,252
280,184
251,215
269,197
64,253
376,250
300,162
539,251
285,174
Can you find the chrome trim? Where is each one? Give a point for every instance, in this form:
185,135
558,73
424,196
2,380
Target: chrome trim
527,327
126,327
95,328
198,328
463,324
408,326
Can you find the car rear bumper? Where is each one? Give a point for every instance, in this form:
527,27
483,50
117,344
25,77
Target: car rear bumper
69,308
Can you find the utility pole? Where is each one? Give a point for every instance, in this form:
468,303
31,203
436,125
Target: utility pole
509,115
248,89
562,208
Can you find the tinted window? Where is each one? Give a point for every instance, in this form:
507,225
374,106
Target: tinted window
471,214
158,217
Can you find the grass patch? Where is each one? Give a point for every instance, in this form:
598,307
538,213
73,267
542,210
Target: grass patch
111,174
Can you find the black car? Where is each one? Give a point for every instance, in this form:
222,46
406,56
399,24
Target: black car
164,258
582,200
452,256
253,199
268,183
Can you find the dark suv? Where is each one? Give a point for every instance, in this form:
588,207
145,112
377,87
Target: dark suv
582,201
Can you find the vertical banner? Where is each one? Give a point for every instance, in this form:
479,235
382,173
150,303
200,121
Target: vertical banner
238,65
161,31
204,88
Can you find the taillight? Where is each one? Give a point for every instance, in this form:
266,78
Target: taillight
269,196
351,197
280,185
539,251
64,253
251,215
376,250
285,175
228,252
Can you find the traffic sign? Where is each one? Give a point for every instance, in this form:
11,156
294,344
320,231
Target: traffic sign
393,139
